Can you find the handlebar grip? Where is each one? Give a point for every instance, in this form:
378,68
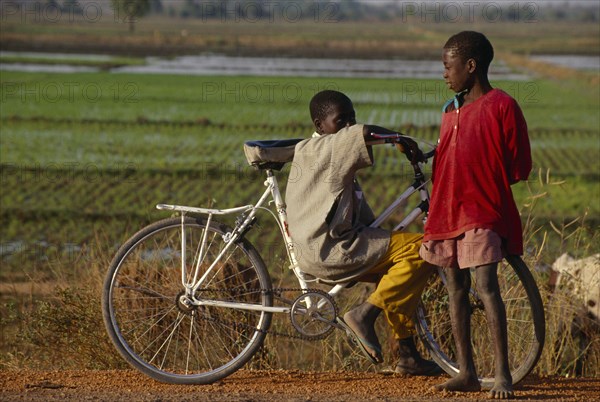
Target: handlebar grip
397,138
429,155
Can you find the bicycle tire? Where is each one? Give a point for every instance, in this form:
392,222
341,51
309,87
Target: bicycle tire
159,335
525,321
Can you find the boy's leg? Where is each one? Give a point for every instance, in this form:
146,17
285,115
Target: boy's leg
458,285
398,293
408,359
403,277
495,311
361,320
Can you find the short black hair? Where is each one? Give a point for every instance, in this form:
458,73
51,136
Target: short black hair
472,45
322,103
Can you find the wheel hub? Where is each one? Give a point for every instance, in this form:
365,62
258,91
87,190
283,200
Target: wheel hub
185,304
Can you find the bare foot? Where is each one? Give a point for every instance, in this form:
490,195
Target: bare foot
502,391
459,384
365,331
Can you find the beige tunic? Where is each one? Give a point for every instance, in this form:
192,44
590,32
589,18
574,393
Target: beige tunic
327,214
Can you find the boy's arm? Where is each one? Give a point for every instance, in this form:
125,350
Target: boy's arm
368,130
405,145
517,144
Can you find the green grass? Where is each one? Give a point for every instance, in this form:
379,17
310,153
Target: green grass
99,152
51,206
270,100
88,153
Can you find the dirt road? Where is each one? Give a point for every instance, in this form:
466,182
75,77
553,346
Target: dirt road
129,385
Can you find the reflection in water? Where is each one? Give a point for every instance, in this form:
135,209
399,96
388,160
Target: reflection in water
299,67
264,66
47,68
576,62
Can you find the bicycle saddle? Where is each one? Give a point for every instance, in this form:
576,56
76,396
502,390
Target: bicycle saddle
270,154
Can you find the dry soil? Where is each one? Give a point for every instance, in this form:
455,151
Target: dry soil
245,385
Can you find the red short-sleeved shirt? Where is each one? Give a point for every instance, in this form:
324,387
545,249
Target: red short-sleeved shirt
484,148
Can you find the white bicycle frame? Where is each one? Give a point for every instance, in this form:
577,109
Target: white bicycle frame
248,216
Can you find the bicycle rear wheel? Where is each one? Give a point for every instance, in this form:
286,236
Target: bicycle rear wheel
161,336
525,321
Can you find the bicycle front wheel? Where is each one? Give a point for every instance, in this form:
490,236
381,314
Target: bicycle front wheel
525,321
172,341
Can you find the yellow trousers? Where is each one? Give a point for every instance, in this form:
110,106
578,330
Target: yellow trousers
402,275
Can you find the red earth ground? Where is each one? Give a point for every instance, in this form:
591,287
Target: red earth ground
246,385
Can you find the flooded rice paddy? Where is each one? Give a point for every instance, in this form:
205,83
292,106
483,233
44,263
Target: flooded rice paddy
255,66
213,64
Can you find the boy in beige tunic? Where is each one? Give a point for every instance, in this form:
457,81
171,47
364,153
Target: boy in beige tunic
329,217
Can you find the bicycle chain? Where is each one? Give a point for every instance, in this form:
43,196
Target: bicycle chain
275,293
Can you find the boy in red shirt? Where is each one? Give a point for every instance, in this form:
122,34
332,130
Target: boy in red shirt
473,219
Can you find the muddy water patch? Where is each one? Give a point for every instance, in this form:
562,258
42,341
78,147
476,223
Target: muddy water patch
304,67
254,66
582,63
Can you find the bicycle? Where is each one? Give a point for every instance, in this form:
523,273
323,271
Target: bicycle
189,300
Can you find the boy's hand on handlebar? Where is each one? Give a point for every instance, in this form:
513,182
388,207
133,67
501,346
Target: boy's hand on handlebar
404,143
410,148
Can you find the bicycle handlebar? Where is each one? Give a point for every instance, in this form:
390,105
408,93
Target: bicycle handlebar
429,155
397,138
